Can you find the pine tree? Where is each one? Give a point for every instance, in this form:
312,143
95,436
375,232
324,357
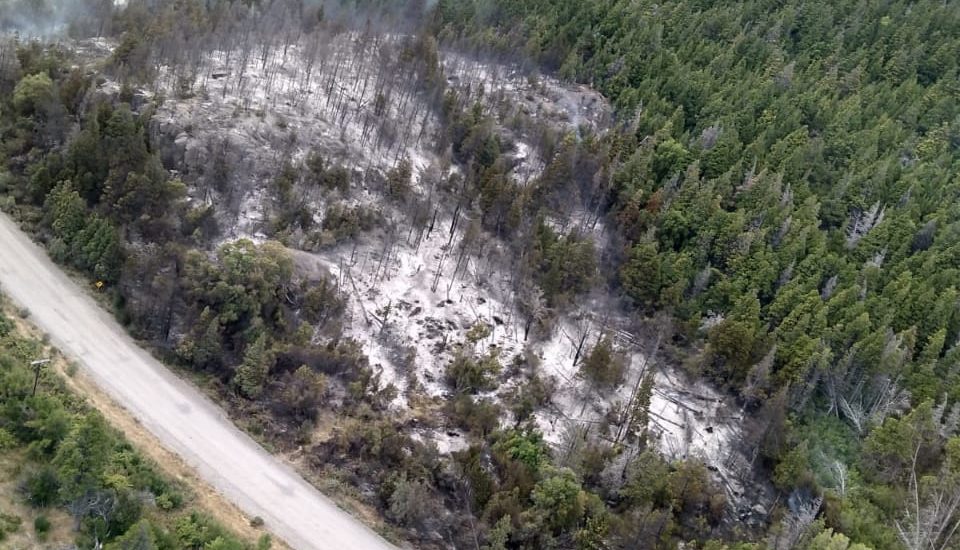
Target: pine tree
252,373
603,365
82,457
138,537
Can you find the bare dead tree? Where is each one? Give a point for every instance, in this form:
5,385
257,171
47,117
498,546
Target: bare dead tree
583,325
930,518
438,273
862,223
531,301
841,476
758,379
862,409
829,287
947,420
637,409
93,503
863,398
795,523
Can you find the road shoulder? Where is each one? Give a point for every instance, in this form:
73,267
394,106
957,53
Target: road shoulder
169,463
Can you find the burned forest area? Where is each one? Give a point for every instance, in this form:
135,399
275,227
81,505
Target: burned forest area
524,274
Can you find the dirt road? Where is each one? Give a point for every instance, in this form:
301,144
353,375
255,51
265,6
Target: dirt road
179,415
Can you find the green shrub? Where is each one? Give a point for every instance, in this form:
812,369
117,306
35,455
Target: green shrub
32,94
346,222
6,325
603,366
7,440
42,487
469,375
9,523
170,500
42,526
200,530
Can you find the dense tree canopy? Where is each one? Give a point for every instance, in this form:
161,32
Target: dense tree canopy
780,179
783,181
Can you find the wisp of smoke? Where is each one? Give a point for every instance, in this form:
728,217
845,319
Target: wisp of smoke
53,18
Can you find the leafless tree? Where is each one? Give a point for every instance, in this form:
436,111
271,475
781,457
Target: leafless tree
930,519
801,514
868,404
634,424
840,469
93,503
947,419
829,287
866,398
862,223
758,379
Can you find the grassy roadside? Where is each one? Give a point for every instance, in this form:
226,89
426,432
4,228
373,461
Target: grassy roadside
61,382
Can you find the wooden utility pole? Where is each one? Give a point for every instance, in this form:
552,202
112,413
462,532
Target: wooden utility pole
36,373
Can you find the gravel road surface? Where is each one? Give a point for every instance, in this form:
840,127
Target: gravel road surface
173,410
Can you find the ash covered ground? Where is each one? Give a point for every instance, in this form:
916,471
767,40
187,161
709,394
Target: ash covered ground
415,289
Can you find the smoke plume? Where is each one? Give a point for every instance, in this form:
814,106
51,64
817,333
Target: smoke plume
54,18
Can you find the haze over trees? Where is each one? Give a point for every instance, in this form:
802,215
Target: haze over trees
776,197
